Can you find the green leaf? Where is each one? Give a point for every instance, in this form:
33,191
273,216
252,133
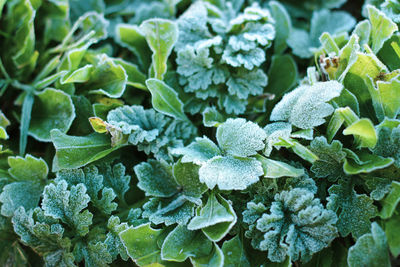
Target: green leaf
390,202
277,169
131,37
306,107
371,249
329,44
363,31
165,99
45,235
304,44
68,205
220,230
297,225
141,244
382,28
113,241
392,227
178,209
187,176
115,177
230,173
25,121
4,122
182,243
388,95
330,159
135,77
341,115
151,131
20,18
77,151
107,78
282,75
161,36
156,179
28,168
212,214
364,162
245,83
365,131
53,109
283,26
388,140
215,259
211,117
234,253
298,149
354,210
354,79
241,138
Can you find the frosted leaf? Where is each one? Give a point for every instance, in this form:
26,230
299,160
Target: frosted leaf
93,181
113,242
68,205
150,131
275,131
169,210
196,66
182,243
331,159
245,83
192,26
248,59
155,179
232,104
230,173
354,210
370,249
241,138
198,152
297,226
211,214
306,107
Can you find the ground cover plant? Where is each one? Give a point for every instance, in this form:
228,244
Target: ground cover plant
199,133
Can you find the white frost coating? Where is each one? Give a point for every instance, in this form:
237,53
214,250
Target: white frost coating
198,152
240,138
306,107
230,173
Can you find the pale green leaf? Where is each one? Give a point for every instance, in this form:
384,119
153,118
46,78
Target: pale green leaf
390,202
215,259
182,243
77,151
211,214
141,244
370,249
161,36
365,131
382,27
392,228
277,169
165,99
235,254
364,162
